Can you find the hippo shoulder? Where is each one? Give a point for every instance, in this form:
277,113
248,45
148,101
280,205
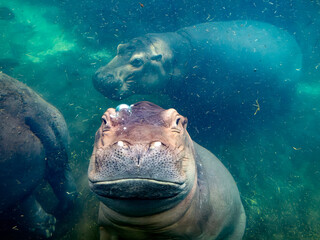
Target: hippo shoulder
218,186
215,172
210,161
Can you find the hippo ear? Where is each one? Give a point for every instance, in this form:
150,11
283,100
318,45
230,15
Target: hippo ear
121,48
156,57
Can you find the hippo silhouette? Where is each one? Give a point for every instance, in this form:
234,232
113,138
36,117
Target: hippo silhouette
33,147
218,67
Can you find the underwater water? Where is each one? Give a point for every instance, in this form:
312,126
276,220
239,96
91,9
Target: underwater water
55,47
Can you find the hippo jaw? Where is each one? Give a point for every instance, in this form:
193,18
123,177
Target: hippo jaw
142,169
137,196
137,69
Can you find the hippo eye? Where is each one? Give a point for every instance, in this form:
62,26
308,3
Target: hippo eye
105,124
183,122
137,62
177,121
179,124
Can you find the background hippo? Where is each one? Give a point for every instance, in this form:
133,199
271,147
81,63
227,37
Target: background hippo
33,146
154,182
211,67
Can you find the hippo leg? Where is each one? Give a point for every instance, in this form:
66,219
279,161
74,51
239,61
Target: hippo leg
104,235
57,174
64,188
35,219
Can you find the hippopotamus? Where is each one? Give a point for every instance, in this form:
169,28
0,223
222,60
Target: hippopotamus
208,67
33,146
154,182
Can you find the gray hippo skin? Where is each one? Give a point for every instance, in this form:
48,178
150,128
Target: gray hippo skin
33,146
213,64
154,182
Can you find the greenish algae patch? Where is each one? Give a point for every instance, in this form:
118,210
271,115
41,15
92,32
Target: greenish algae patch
44,38
33,38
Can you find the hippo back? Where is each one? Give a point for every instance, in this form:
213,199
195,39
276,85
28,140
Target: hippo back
244,45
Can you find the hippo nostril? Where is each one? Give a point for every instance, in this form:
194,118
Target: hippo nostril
109,77
139,155
99,76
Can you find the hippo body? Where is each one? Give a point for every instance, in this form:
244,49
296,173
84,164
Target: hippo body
213,66
154,182
33,147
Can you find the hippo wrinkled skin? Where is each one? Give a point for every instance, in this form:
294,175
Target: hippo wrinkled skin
33,147
154,182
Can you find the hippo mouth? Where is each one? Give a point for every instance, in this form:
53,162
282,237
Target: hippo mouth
137,189
138,197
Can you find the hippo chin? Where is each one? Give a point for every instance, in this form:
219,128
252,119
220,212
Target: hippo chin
33,146
154,182
214,66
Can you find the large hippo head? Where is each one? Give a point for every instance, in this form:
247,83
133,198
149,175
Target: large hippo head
141,66
143,160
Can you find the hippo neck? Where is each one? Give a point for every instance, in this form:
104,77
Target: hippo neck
181,51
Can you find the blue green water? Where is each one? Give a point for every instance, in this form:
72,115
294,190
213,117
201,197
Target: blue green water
56,46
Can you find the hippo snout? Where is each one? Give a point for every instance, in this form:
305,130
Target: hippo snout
145,175
100,78
108,85
124,161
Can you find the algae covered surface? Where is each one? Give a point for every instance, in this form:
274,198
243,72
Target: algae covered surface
56,46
